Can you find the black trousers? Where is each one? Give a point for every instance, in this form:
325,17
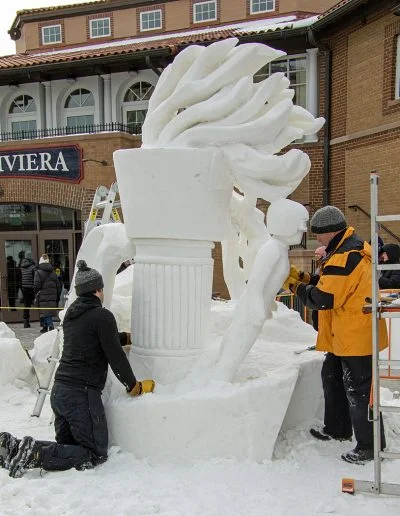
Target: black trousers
347,384
81,429
29,296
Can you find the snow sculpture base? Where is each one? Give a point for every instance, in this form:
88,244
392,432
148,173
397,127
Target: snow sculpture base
275,390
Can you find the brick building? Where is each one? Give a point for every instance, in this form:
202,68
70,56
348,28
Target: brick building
78,87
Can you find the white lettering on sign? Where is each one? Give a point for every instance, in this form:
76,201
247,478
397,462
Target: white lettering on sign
31,162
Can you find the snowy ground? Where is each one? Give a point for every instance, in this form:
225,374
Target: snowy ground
304,478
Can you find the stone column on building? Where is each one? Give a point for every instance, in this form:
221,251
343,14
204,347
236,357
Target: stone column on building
107,103
312,86
48,104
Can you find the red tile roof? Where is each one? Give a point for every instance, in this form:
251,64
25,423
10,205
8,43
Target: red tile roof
58,7
131,45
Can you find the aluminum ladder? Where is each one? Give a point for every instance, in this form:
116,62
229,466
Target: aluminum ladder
376,486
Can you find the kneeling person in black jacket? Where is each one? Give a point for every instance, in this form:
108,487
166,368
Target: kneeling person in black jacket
91,343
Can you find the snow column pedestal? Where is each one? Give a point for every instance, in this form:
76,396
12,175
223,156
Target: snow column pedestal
175,204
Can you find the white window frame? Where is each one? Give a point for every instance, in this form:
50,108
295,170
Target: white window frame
79,110
91,23
291,57
23,116
51,27
397,84
252,11
203,3
135,105
151,12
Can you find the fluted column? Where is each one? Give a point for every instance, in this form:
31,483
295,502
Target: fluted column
170,303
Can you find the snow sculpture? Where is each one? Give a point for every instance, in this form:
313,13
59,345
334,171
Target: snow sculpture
104,249
286,222
209,127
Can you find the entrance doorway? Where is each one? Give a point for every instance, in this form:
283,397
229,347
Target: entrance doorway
59,247
53,230
13,250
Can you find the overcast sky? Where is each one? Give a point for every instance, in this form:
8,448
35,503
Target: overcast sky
8,12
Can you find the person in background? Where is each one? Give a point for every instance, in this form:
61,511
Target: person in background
390,255
47,290
91,344
344,331
12,284
28,268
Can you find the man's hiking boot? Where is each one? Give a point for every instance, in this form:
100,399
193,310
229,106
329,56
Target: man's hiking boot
27,457
358,456
8,448
321,434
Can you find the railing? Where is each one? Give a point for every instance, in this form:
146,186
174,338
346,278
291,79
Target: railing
355,207
303,243
68,131
293,302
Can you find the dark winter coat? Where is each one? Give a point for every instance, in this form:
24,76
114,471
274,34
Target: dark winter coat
47,289
91,343
28,268
390,279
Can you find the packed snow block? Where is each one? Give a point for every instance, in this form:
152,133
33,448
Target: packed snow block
307,402
14,364
6,332
42,350
241,421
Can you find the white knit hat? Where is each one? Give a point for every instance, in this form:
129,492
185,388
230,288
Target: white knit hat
44,259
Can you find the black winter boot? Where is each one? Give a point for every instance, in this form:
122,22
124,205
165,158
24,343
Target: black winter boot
321,434
8,448
26,324
358,456
27,457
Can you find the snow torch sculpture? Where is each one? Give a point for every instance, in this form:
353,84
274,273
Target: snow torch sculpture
209,128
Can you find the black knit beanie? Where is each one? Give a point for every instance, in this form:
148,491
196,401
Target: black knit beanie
87,280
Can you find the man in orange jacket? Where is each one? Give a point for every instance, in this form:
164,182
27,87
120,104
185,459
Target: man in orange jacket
344,331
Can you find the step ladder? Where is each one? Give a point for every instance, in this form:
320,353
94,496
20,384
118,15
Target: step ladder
376,486
104,203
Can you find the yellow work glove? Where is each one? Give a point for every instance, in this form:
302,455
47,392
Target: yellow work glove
304,277
289,280
143,387
294,272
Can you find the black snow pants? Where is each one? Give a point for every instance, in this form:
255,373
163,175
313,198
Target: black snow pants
29,296
346,383
81,429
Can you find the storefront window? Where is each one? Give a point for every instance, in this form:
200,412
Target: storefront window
55,217
18,217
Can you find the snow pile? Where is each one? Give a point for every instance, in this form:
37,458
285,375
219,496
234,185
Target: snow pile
14,364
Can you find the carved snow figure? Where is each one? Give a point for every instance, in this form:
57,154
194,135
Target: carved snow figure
286,222
209,127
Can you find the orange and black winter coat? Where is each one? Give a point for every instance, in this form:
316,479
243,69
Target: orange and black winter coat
339,295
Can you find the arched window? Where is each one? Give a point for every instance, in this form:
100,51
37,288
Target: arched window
135,105
79,109
22,116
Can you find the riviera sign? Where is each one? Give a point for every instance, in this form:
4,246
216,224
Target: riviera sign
61,163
